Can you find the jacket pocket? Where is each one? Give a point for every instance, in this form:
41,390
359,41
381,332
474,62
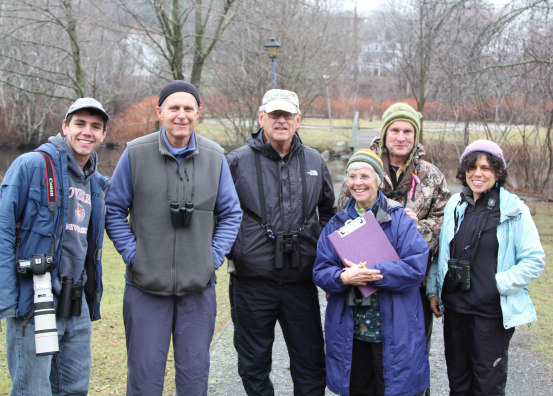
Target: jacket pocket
37,217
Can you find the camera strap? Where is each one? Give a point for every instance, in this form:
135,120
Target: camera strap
51,193
491,204
261,192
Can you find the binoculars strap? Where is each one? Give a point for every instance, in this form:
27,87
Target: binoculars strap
261,189
491,204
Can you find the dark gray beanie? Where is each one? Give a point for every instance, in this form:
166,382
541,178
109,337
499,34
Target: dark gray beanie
178,86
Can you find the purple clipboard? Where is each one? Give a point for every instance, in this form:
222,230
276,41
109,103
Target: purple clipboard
362,239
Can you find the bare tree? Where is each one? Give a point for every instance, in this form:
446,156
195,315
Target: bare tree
314,42
180,34
424,30
50,54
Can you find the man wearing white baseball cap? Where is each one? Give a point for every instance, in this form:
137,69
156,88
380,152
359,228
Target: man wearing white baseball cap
51,232
286,194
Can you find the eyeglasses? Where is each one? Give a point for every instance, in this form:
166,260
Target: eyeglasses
363,177
275,115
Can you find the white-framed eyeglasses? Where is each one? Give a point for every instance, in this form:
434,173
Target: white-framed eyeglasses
364,177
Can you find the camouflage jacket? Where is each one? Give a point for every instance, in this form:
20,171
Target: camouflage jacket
429,197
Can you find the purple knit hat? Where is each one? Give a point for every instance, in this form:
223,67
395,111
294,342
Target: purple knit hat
486,146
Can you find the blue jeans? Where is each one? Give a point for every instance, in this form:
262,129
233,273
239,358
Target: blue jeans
67,372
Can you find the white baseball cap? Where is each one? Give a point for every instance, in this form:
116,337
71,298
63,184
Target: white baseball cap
87,103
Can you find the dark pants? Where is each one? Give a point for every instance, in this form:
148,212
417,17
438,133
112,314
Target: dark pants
367,373
428,324
428,317
476,353
150,321
256,305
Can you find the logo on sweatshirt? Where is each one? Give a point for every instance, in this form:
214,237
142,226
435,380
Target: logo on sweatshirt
79,213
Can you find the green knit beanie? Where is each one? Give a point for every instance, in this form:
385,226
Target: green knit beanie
400,112
371,158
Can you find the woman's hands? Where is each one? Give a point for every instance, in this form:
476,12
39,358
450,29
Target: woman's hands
358,274
435,306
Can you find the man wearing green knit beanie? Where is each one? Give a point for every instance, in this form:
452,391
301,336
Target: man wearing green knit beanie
408,179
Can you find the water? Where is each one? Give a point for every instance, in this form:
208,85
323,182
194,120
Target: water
108,158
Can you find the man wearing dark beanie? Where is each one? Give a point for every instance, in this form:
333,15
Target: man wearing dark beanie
178,86
176,189
410,180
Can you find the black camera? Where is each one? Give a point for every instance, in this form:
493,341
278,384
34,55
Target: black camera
38,264
459,273
70,300
287,245
181,216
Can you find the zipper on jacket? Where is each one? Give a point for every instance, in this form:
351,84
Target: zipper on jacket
97,296
465,248
180,187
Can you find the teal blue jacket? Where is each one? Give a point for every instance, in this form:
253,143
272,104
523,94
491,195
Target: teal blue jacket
520,257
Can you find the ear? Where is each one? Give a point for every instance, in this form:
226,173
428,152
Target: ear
158,112
64,127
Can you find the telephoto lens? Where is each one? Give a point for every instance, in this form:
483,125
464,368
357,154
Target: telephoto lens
46,332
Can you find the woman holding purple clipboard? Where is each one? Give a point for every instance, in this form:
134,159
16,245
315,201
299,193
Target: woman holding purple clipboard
374,345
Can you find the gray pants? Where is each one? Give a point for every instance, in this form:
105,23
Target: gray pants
150,321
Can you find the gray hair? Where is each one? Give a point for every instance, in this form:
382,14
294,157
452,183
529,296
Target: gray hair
360,165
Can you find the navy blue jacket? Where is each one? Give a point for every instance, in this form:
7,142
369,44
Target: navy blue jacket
405,359
23,198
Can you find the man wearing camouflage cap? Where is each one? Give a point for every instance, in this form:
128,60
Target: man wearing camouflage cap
286,193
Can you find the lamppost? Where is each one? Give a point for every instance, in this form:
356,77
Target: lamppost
272,46
325,77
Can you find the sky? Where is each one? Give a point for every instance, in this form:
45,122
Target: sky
368,5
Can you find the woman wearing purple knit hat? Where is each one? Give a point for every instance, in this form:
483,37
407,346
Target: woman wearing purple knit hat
489,252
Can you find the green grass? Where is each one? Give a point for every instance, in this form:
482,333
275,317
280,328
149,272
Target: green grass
109,355
541,289
318,138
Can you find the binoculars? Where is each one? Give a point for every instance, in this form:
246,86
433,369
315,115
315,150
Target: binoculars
70,300
287,245
181,216
459,273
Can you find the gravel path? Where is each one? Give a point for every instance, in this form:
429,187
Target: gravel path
527,374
